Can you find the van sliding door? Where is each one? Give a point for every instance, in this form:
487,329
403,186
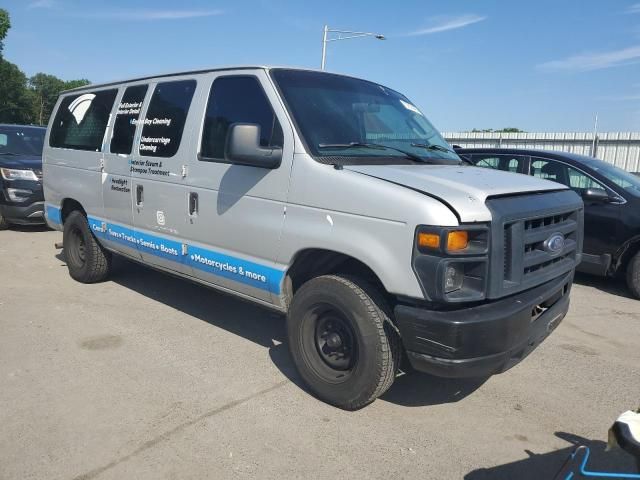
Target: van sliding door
117,191
158,170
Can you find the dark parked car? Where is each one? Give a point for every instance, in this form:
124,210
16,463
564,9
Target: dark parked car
21,198
611,203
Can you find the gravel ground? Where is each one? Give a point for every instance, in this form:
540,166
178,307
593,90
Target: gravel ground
148,377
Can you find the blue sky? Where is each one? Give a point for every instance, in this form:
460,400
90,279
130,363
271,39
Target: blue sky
544,65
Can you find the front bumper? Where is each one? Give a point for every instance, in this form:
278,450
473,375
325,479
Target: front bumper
485,339
29,214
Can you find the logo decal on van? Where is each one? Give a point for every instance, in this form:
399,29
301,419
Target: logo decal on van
160,217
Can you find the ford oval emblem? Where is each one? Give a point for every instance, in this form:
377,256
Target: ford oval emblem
554,244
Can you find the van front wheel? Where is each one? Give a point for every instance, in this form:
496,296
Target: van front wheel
87,261
342,340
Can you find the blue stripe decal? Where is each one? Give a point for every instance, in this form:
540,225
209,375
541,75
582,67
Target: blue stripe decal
53,214
253,274
209,261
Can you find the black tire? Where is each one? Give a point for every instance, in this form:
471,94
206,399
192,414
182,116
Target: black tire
342,340
87,261
4,225
633,275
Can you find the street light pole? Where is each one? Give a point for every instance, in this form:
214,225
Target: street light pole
325,30
350,34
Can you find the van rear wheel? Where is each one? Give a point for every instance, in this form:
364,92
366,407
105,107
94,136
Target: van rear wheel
342,340
87,261
633,275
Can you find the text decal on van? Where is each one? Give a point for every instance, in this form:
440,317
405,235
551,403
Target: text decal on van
209,261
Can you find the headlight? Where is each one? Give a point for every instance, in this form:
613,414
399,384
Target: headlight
18,194
451,263
453,277
12,174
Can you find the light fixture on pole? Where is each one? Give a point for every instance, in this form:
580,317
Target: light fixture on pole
349,34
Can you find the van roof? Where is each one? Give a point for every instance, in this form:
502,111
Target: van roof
188,72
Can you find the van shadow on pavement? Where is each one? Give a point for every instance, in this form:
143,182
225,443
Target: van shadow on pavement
546,465
268,329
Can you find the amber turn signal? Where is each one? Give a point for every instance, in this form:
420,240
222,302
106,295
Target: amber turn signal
429,240
457,240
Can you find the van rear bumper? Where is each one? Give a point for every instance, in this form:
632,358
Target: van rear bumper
486,339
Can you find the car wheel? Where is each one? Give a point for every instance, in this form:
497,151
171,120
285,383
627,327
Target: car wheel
87,261
342,340
633,275
3,223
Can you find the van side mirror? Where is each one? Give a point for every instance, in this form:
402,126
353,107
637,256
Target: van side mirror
243,147
596,195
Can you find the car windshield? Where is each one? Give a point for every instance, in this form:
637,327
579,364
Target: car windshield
629,182
356,121
16,140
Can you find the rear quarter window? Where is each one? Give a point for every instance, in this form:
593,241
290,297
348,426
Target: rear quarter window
81,120
507,163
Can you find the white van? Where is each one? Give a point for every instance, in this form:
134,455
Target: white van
325,197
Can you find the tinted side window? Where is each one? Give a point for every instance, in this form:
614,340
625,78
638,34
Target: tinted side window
561,173
579,181
508,163
81,120
237,99
127,116
165,119
550,170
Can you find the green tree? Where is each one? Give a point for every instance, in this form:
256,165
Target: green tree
16,100
5,25
502,130
76,83
46,89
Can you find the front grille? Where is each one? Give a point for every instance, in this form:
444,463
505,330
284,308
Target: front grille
536,259
520,227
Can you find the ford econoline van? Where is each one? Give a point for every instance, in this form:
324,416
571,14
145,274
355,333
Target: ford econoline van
330,199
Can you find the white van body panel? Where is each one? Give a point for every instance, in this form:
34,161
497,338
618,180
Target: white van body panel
259,220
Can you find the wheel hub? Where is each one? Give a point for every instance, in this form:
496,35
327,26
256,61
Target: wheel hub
335,342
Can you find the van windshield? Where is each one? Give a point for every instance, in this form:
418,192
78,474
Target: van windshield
346,120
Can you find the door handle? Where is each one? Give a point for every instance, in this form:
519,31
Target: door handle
139,194
193,203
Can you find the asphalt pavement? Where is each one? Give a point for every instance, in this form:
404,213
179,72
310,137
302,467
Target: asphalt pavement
151,377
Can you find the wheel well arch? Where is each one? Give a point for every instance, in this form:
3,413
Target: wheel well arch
624,254
69,205
314,262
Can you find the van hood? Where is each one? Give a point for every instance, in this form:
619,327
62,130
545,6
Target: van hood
463,188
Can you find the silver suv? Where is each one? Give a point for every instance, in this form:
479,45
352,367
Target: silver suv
325,197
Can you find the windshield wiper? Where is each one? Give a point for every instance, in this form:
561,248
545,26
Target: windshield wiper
375,146
440,148
432,146
10,153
